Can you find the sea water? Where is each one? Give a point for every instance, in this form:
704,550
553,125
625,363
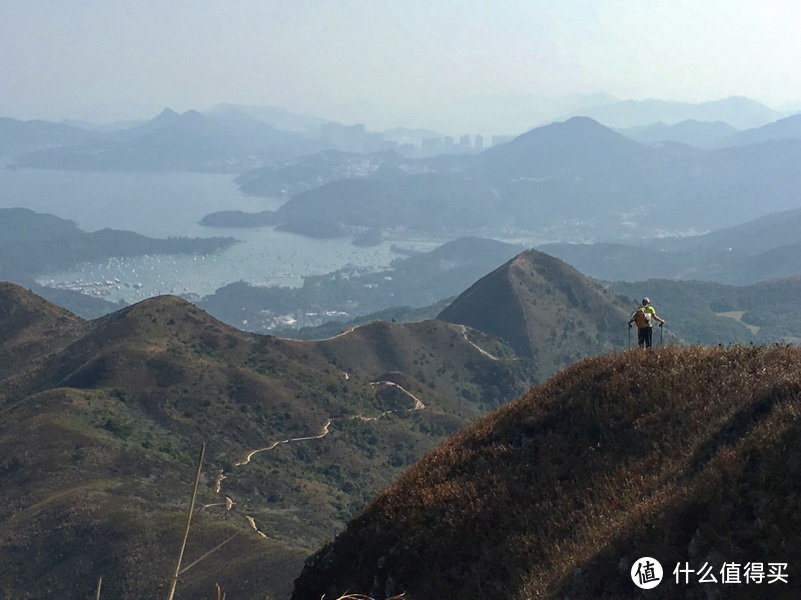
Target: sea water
172,204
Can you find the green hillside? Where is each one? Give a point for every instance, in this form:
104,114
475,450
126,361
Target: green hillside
712,313
102,421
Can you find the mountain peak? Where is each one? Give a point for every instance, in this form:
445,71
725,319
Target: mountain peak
167,114
192,116
16,300
580,124
167,315
544,308
579,146
26,319
581,121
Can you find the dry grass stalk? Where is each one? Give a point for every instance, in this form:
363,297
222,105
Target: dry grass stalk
220,593
363,597
188,523
209,553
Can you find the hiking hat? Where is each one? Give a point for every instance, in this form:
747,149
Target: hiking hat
646,300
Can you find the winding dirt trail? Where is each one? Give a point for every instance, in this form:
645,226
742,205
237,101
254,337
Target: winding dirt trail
418,404
324,432
326,429
463,329
255,528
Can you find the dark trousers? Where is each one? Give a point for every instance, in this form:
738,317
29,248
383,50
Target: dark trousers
645,336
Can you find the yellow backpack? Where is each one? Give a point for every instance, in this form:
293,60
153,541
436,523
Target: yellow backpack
642,317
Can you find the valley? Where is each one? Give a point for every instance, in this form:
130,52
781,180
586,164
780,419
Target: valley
384,340
299,435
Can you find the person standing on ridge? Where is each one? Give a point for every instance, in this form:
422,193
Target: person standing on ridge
644,317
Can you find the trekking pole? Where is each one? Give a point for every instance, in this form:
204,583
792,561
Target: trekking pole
661,327
629,336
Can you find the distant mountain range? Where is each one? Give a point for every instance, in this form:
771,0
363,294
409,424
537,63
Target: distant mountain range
757,250
567,180
737,111
700,134
709,135
19,137
225,141
228,138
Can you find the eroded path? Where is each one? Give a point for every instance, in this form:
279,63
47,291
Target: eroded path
228,502
418,404
324,432
463,329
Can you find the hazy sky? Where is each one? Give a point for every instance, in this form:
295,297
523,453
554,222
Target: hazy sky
416,62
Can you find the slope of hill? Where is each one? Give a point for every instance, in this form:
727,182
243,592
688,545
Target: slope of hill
544,309
757,250
18,137
742,183
787,128
783,261
102,421
33,244
30,326
416,281
420,201
693,133
308,172
686,455
397,313
303,173
746,239
578,146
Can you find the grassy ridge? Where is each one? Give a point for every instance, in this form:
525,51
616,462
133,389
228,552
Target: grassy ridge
101,422
680,454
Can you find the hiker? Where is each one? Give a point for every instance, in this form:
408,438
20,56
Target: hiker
644,317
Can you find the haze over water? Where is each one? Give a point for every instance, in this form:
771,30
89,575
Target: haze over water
171,204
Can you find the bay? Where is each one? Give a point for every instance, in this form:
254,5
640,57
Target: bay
172,204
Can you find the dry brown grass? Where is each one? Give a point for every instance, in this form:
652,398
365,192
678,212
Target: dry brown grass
617,457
